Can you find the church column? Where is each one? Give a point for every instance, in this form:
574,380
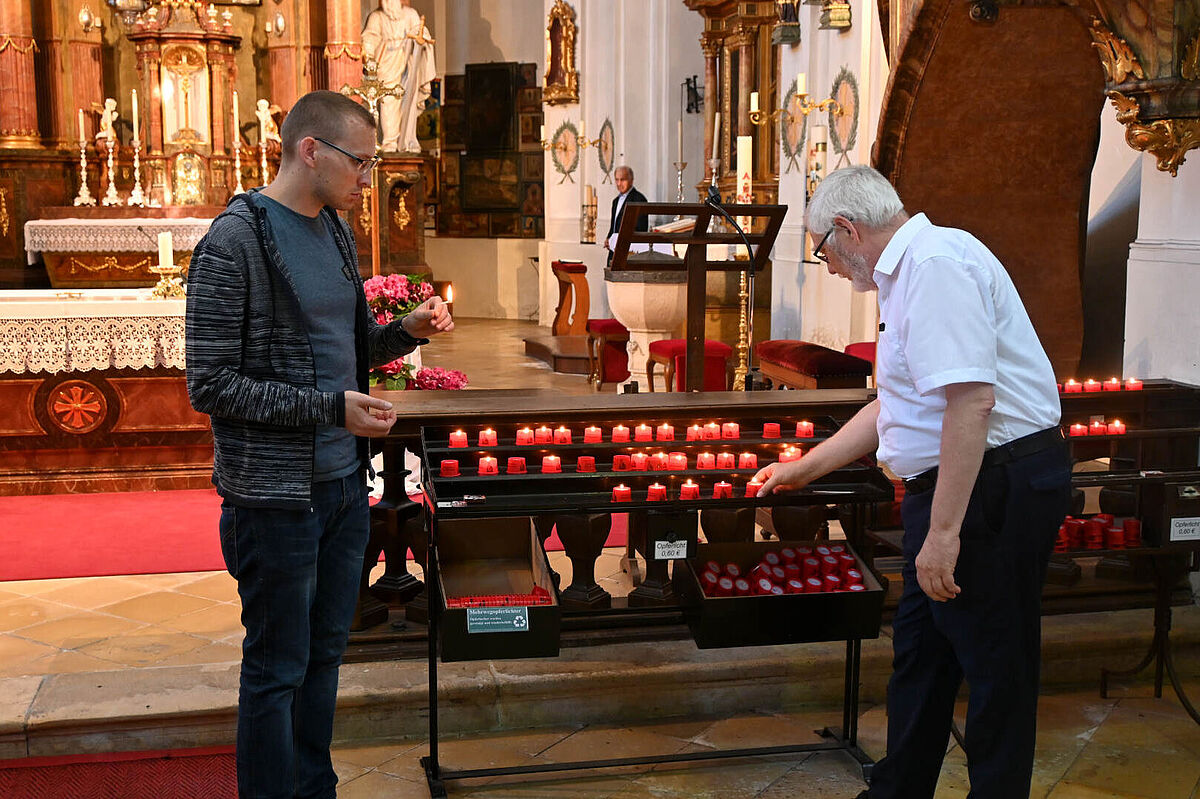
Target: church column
222,76
86,80
343,47
281,64
711,47
18,92
743,40
149,61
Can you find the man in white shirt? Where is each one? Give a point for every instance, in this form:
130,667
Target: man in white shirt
967,414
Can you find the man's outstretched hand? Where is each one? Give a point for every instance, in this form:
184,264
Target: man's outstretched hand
367,415
428,319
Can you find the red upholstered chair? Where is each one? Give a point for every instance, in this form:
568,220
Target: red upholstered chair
572,283
802,364
862,349
608,359
716,363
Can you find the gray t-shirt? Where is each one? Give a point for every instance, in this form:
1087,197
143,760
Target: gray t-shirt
327,302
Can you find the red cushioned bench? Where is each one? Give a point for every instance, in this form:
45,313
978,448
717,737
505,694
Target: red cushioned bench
801,364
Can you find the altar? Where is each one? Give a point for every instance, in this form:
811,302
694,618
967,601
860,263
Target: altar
93,395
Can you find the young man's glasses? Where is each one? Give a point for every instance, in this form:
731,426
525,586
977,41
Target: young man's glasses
364,164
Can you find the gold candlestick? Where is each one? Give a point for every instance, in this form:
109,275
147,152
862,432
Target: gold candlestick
743,343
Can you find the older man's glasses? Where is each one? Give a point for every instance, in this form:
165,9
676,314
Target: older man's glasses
817,251
364,164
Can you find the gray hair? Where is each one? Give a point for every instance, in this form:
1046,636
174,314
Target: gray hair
623,168
859,193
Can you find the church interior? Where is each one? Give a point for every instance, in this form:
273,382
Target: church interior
610,196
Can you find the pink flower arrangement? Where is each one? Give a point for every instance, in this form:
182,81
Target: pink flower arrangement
435,378
390,297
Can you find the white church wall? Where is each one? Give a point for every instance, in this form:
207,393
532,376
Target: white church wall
493,278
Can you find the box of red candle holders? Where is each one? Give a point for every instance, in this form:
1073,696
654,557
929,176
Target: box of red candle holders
488,570
790,618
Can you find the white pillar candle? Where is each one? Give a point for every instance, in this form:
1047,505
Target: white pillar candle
236,137
542,133
716,144
166,254
135,114
262,131
82,133
745,171
582,130
820,134
753,102
801,83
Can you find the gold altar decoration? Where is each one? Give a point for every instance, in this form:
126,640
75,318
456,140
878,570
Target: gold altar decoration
401,217
8,40
562,81
1168,140
343,49
183,68
4,218
1116,56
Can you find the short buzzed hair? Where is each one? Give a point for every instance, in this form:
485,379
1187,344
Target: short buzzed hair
321,114
624,168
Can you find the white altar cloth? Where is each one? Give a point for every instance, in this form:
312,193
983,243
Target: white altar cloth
111,235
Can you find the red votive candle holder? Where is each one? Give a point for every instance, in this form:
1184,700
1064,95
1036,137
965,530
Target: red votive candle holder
1090,386
1116,428
724,586
804,429
712,431
592,435
664,432
713,567
1072,386
1078,430
854,576
725,460
813,585
778,574
829,565
1133,532
516,465
709,582
1097,429
657,492
752,488
706,460
585,463
741,587
747,460
622,493
856,587
831,582
792,571
639,461
811,567
789,454
551,464
794,586
449,468
771,430
733,570
762,586
846,561
487,438
1133,384
621,463
620,434
787,555
488,465
524,436
689,490
695,433
677,461
562,435
643,432
458,439
543,435
1112,384
822,550
723,490
731,430
658,461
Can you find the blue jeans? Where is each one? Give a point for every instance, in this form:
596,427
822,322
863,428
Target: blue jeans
298,573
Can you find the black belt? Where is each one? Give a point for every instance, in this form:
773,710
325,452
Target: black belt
996,456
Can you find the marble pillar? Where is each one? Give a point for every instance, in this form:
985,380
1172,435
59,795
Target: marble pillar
18,92
343,44
711,47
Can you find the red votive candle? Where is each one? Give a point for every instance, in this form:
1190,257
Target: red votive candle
706,460
725,460
778,574
585,463
488,465
562,435
724,586
731,430
1116,428
449,468
831,582
829,565
677,461
487,438
792,571
1097,429
657,492
643,432
1090,386
622,493
689,490
1079,430
813,585
525,436
855,587
458,439
794,586
1072,386
733,570
712,431
822,550
752,488
592,435
695,433
747,460
741,587
789,454
787,555
620,433
1112,384
713,567
811,567
723,490
621,463
551,464
638,461
658,461
854,576
665,432
1133,532
709,581
804,429
771,430
516,465
1133,384
543,435
762,586
846,561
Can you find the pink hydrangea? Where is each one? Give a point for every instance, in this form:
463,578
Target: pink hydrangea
435,378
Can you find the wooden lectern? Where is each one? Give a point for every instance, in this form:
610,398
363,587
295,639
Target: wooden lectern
695,261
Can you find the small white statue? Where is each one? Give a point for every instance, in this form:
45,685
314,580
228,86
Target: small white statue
267,129
108,118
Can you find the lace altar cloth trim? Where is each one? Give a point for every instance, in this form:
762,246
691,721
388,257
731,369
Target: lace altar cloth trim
111,235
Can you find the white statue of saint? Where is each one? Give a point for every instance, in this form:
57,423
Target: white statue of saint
395,37
267,129
108,118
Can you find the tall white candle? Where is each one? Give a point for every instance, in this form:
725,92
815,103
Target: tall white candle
745,166
236,125
542,133
716,146
166,254
582,130
820,134
801,84
753,102
135,115
82,132
262,130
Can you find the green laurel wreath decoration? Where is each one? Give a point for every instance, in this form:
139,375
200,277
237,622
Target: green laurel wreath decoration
607,166
792,155
556,153
845,76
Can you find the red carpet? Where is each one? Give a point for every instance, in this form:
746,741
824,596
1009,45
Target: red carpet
146,532
182,774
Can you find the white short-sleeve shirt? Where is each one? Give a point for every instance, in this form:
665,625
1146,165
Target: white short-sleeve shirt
950,314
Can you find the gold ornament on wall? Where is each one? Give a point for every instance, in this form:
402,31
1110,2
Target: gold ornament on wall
401,217
1189,68
4,218
1168,140
1116,56
562,81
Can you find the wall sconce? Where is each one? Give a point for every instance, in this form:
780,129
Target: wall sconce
802,105
127,10
787,28
835,15
277,24
87,20
587,216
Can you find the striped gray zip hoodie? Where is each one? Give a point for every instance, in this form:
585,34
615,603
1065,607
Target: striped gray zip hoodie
250,362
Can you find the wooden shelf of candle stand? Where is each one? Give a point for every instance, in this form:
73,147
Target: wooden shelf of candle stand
469,496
